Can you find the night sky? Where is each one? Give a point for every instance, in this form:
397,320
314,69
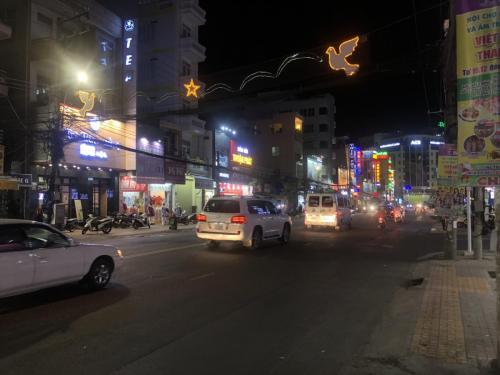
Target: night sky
387,93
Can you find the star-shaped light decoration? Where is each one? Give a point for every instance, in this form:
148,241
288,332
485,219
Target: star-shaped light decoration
192,88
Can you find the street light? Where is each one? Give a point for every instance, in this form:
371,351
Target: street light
82,76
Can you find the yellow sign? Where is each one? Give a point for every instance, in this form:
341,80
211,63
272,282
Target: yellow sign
478,99
9,184
338,60
192,88
241,159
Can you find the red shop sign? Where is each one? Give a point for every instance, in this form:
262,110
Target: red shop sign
129,183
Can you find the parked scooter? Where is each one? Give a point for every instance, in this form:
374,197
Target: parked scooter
95,224
122,221
73,224
187,219
140,221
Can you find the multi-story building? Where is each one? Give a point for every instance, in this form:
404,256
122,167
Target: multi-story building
63,64
169,54
414,161
319,125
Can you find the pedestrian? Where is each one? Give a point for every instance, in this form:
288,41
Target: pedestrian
150,211
124,207
165,213
178,211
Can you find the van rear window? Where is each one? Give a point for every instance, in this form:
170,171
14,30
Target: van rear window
327,201
223,206
313,201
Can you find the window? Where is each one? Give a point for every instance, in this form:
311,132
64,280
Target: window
186,68
303,112
276,128
310,112
271,208
186,31
275,151
323,144
40,237
327,201
323,128
11,239
42,18
308,145
257,207
225,206
323,110
309,128
313,201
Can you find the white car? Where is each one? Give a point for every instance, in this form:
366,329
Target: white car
249,220
35,256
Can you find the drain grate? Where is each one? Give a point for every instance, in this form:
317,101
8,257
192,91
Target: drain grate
492,274
415,282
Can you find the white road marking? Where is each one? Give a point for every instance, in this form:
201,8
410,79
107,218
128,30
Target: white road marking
202,276
162,251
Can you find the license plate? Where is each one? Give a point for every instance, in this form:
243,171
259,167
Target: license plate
218,226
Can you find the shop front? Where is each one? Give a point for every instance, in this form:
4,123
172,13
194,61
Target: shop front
87,178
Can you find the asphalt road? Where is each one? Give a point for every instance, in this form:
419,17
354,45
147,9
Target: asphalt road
177,307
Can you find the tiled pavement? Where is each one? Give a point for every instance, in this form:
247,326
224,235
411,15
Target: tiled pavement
457,319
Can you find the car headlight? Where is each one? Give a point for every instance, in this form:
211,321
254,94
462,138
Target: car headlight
119,253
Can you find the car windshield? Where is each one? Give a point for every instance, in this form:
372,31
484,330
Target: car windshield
226,206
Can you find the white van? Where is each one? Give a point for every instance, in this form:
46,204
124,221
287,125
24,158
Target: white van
327,209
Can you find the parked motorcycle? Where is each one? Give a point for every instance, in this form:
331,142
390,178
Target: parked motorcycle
122,221
140,221
73,224
187,219
96,224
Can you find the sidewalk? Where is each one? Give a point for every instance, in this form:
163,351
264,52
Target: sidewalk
445,325
119,232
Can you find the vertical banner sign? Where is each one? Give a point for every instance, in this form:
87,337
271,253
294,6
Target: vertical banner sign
447,165
129,61
478,100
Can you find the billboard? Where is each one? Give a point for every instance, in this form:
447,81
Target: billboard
240,156
478,100
447,164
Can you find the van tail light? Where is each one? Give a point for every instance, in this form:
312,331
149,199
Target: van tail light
201,217
240,219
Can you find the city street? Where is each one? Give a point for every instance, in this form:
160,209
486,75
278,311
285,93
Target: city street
177,307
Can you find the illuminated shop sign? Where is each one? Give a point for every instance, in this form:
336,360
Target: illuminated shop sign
235,189
436,143
239,155
416,142
90,151
395,144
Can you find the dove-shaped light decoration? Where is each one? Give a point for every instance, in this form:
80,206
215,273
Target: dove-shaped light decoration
88,99
338,60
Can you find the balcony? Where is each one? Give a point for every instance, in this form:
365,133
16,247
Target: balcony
5,31
192,12
192,50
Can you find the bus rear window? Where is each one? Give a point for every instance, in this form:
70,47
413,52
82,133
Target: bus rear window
313,201
327,201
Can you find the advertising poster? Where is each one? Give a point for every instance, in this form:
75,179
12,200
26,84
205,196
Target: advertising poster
447,165
478,100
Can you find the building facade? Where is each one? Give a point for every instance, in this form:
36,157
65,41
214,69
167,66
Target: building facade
414,161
